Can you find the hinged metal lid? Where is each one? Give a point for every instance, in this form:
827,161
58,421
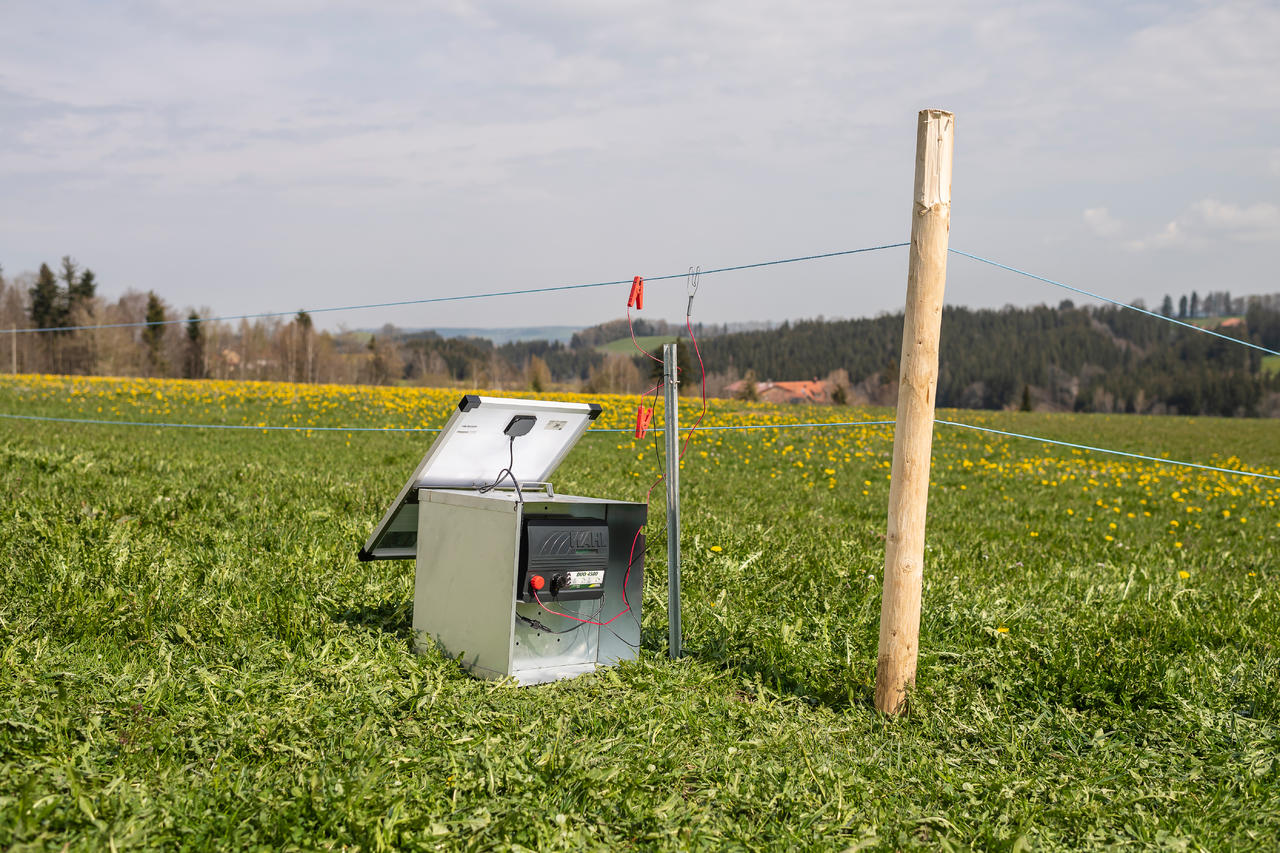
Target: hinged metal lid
471,450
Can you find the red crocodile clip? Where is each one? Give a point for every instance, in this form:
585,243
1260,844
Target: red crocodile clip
644,416
636,299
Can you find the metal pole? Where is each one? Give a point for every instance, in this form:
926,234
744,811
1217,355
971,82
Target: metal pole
671,432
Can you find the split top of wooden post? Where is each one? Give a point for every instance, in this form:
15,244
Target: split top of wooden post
933,153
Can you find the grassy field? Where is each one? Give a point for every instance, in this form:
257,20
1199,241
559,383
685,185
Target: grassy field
191,657
650,343
1271,364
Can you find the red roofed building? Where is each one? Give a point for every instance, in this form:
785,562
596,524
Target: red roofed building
785,392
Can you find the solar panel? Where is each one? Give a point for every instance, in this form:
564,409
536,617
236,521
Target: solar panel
472,449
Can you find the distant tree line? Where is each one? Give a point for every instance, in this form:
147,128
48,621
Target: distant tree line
1069,358
1065,358
139,334
1214,304
616,329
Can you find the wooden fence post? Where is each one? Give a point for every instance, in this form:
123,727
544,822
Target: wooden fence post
913,432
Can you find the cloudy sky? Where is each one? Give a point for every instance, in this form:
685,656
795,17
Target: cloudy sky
297,154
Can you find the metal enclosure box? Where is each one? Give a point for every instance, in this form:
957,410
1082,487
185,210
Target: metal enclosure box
465,586
465,535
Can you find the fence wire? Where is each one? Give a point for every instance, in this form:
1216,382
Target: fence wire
731,427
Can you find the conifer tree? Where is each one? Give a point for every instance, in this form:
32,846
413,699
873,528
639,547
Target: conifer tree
193,367
303,321
70,272
82,291
153,334
48,308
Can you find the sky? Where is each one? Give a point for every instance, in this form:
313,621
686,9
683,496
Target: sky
282,154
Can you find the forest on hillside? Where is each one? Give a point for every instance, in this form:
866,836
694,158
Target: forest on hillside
1073,358
1077,358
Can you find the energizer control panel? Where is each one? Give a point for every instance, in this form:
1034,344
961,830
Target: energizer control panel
562,559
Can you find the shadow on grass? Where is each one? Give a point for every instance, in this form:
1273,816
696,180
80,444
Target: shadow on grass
390,617
835,690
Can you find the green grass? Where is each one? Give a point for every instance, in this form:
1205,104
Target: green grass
191,657
650,343
1270,364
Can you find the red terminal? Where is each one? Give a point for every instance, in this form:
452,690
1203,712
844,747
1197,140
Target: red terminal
537,582
644,416
636,299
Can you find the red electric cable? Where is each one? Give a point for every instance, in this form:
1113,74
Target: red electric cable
631,557
625,578
631,329
688,325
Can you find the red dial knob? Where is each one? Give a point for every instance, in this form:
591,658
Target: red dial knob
537,582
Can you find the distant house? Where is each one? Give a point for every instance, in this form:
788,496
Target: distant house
1231,323
785,392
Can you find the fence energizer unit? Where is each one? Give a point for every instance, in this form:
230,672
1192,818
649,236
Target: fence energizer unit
500,556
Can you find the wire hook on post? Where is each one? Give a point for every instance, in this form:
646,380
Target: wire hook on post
695,277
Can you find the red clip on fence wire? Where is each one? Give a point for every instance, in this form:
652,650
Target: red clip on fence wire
636,299
644,417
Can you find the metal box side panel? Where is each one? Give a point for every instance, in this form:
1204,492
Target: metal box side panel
624,641
535,650
547,674
464,585
538,656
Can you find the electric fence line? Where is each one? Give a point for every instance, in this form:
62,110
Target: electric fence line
563,287
734,427
457,298
1117,302
1110,451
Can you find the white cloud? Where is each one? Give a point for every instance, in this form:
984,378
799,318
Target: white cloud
1102,223
1255,223
1218,55
573,133
1170,235
750,79
1210,221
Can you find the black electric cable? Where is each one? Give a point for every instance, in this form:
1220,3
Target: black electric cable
538,626
505,473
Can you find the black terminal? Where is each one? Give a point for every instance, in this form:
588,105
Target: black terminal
520,425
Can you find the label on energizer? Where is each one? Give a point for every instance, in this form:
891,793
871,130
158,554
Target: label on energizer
584,580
